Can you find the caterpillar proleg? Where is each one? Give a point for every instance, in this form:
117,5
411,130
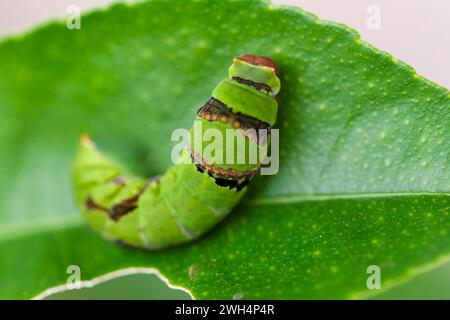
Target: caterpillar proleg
194,195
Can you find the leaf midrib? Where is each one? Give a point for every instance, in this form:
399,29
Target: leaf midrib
335,196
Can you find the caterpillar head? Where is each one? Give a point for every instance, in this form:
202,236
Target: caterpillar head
257,69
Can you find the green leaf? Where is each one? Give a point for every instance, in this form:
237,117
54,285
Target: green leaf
364,164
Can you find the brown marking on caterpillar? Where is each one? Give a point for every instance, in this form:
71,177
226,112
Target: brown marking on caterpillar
92,205
257,85
118,210
128,205
223,119
221,173
260,61
125,206
216,110
231,184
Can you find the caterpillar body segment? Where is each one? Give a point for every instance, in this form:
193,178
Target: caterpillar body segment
148,214
200,191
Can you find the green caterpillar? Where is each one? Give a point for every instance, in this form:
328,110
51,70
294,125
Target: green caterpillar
195,194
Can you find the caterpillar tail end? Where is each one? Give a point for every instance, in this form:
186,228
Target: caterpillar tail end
86,141
107,197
